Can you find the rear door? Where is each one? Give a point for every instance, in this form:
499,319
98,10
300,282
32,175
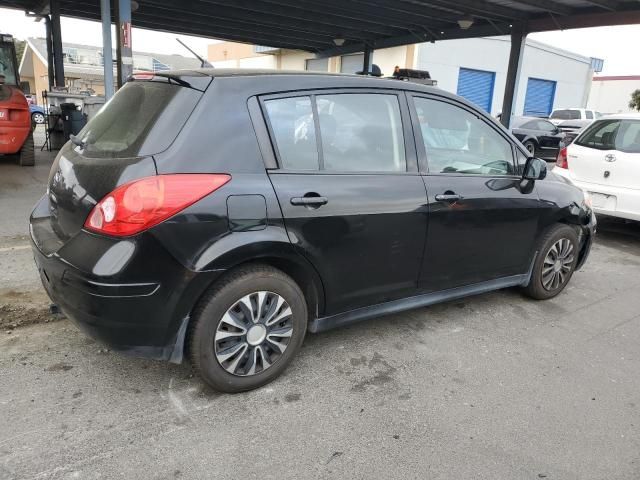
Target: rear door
483,219
350,193
592,156
625,171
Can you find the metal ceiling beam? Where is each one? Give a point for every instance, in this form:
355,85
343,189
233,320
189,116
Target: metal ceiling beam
611,5
548,5
545,24
479,8
291,10
239,28
264,20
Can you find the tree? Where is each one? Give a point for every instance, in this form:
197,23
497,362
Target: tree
635,100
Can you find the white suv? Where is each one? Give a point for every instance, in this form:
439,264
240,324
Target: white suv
563,114
604,160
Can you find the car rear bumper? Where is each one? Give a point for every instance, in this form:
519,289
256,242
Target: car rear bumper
135,299
608,199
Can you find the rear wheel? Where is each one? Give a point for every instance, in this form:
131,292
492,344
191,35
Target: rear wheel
555,263
247,329
27,155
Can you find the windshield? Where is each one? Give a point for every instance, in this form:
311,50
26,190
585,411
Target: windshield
566,114
7,65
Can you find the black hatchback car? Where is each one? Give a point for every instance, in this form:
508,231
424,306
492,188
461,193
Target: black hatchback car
222,214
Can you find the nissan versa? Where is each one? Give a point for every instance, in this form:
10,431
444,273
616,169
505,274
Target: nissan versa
222,214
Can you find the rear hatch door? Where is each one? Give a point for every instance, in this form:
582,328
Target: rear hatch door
115,147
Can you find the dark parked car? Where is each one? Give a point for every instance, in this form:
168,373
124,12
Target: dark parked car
223,214
539,136
571,129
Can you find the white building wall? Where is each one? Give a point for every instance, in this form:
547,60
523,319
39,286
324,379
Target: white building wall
612,94
571,72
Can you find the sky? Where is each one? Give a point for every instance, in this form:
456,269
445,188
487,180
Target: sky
616,45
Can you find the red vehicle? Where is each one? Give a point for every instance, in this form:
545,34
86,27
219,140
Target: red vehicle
16,134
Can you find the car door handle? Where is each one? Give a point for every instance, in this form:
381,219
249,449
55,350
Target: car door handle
448,197
309,201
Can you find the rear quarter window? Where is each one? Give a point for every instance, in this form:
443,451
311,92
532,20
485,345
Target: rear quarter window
143,118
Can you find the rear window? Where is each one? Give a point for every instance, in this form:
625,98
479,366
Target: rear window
601,135
143,118
566,114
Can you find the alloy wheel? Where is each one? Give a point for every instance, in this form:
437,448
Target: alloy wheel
253,334
531,148
557,264
38,118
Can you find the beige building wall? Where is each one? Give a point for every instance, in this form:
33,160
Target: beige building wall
219,52
239,55
40,77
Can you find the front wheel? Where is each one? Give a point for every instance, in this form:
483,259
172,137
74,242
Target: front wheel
37,117
531,147
247,329
555,263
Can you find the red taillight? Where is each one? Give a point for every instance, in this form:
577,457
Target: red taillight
136,206
561,161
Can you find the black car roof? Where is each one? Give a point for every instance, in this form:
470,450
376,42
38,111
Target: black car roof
295,79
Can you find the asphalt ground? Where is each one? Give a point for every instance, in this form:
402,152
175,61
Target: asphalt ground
495,386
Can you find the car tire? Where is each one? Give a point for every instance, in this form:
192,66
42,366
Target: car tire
27,154
530,145
230,342
555,262
37,118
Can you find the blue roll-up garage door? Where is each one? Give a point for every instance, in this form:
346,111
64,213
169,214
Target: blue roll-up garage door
477,86
539,99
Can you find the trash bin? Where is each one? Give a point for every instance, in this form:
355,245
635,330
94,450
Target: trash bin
72,118
92,105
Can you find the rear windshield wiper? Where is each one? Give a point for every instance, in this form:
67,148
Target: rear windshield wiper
76,141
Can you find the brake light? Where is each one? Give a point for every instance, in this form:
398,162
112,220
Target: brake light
139,205
561,161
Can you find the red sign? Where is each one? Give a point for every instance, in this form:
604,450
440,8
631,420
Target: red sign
126,34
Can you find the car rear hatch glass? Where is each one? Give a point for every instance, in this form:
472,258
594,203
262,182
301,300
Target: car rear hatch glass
114,148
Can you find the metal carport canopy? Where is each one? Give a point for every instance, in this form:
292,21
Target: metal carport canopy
337,27
313,25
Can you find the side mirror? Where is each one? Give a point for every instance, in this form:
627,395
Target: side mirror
534,169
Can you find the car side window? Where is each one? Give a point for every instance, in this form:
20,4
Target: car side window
589,114
459,141
361,132
601,135
546,126
628,138
293,130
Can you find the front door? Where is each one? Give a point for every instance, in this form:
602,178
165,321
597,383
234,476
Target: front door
352,199
483,218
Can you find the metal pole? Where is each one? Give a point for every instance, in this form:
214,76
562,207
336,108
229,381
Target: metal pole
124,55
107,54
366,63
50,72
518,42
58,59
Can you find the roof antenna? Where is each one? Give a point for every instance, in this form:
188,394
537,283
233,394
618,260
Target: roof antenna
203,62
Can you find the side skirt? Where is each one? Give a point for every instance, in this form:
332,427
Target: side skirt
365,313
